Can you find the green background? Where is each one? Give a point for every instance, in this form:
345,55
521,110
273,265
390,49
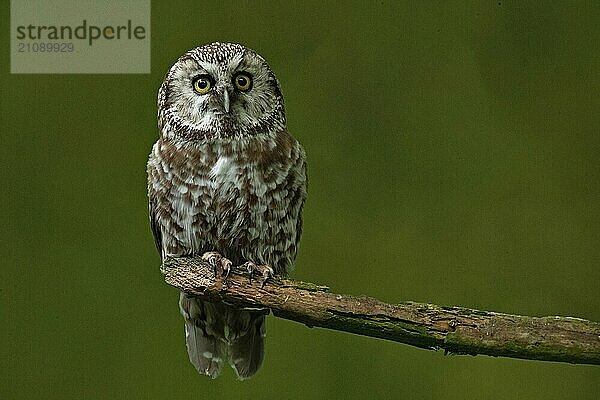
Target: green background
454,158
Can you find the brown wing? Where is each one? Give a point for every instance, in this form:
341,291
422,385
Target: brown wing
152,206
304,189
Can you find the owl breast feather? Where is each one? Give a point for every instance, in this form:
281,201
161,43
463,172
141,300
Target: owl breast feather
247,209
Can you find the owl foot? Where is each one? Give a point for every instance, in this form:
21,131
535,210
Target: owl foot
217,262
264,270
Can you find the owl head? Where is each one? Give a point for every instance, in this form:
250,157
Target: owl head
220,91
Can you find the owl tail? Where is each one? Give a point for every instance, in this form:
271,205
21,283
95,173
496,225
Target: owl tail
215,332
246,339
203,336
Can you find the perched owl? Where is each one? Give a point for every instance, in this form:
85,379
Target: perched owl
226,181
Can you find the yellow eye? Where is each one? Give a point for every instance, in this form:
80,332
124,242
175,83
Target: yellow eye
202,84
242,81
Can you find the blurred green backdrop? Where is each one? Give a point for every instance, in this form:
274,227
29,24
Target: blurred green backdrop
454,158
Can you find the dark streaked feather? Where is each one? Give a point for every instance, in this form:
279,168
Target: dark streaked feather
155,226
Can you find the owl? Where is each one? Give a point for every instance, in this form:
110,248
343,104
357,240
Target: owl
227,182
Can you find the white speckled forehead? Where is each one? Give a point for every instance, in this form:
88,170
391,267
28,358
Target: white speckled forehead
221,58
218,52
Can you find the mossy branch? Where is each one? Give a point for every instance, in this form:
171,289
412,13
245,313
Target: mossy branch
457,330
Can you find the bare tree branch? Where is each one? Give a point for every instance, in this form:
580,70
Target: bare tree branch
457,330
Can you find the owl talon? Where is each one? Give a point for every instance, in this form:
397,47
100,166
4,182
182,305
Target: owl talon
218,262
264,270
267,274
225,265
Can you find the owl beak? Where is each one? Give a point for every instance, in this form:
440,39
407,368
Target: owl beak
226,100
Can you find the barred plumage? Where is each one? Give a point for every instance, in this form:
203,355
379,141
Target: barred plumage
225,176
